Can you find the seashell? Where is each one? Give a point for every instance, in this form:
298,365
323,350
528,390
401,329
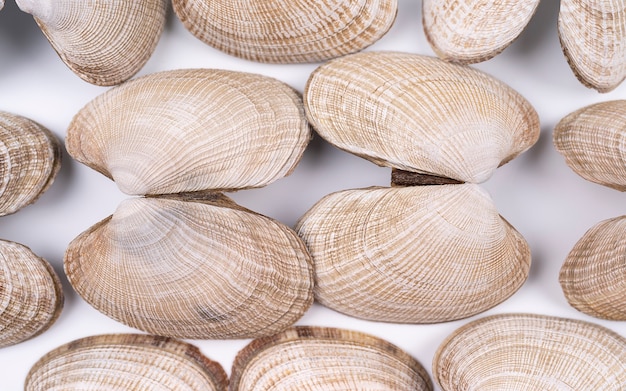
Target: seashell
320,358
30,158
1,4
594,41
186,261
396,254
104,42
531,352
472,31
31,296
305,31
420,114
119,362
592,141
593,274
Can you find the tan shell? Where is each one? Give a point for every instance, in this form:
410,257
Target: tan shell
420,114
593,276
470,31
304,31
593,39
104,42
519,352
30,158
593,142
191,130
187,261
124,362
419,254
31,296
326,359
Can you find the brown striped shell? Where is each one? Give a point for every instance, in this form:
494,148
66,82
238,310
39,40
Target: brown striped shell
593,39
31,296
30,158
277,32
121,362
104,42
470,31
519,352
186,261
326,359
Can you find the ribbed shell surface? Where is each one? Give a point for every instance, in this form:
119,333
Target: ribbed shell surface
593,39
192,269
105,42
326,359
419,114
593,276
125,362
593,142
297,31
30,158
470,31
191,130
31,296
519,352
419,254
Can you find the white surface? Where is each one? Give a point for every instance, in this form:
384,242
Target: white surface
537,193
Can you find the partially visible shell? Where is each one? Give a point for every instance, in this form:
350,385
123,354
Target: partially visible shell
124,362
30,158
1,4
104,42
593,39
413,255
593,142
324,359
420,114
192,269
470,31
191,130
302,31
593,276
519,352
31,296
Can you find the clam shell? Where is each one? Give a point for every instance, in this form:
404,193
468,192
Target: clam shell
413,255
30,158
471,31
593,39
592,141
302,31
31,296
516,352
104,42
126,362
593,276
192,269
191,130
320,358
420,114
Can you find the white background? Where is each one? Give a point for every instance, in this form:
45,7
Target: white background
537,193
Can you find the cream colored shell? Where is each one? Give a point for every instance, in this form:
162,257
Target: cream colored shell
186,261
31,296
420,114
593,142
418,254
30,158
278,32
326,359
470,31
593,39
519,352
593,276
104,42
124,362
